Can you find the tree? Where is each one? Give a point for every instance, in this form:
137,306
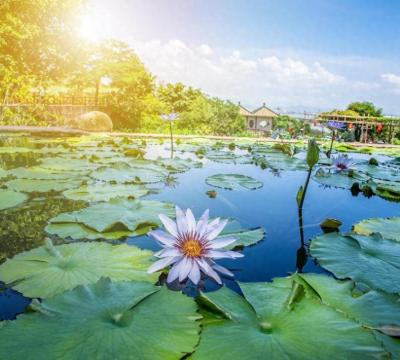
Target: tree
365,108
37,42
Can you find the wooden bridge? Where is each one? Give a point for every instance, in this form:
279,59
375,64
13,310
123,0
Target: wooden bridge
65,106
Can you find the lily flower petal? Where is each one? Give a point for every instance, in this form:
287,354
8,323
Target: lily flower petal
221,242
202,224
161,264
169,225
190,221
194,274
181,221
162,237
216,230
222,270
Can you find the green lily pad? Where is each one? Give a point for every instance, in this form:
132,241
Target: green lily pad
369,260
389,228
105,192
382,172
228,157
373,308
234,182
277,160
244,237
3,173
122,173
339,180
177,165
106,320
113,220
37,172
9,198
49,270
264,325
42,185
60,164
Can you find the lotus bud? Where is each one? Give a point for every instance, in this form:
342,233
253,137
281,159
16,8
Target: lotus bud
312,153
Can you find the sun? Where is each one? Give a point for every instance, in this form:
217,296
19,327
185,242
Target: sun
96,24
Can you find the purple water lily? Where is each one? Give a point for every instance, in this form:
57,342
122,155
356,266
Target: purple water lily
341,163
169,117
191,247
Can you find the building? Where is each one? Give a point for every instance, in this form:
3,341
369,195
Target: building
259,120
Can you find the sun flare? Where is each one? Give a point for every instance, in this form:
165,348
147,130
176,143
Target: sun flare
96,24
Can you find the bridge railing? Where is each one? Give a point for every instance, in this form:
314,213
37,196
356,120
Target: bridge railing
61,100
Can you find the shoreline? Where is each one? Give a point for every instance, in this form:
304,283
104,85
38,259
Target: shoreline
65,130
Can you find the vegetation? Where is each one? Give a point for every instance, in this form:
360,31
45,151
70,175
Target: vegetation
41,54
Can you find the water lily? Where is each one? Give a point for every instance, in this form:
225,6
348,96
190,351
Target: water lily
169,117
191,247
341,163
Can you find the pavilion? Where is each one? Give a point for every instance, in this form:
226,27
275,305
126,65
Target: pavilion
260,120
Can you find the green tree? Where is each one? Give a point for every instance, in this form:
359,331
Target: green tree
37,43
365,108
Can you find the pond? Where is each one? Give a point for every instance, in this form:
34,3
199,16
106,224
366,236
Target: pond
270,207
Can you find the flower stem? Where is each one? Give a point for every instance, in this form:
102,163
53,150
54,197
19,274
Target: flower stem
172,140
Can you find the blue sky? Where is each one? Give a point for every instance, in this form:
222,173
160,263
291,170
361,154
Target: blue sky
290,53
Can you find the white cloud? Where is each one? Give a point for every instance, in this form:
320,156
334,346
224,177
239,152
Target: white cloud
391,78
278,80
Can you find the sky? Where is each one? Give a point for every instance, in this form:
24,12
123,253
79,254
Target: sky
291,54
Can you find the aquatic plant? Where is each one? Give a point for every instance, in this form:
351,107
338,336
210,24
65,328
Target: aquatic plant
311,159
170,118
341,163
191,247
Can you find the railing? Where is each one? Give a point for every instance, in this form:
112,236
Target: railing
61,100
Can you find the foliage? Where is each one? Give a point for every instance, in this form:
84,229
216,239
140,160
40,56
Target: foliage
50,270
269,322
370,260
365,108
234,182
107,320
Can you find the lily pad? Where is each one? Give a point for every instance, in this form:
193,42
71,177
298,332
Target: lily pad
389,228
39,173
228,157
263,325
49,270
373,308
234,182
382,172
42,185
105,192
339,180
113,220
369,260
122,173
9,198
177,165
106,320
3,173
244,237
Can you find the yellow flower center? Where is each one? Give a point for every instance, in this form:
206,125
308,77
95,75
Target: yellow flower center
191,248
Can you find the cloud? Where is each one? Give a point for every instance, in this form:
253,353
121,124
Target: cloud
278,80
391,78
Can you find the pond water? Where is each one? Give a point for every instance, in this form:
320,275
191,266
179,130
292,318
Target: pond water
273,207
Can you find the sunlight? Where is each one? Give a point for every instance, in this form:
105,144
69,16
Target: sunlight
96,24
